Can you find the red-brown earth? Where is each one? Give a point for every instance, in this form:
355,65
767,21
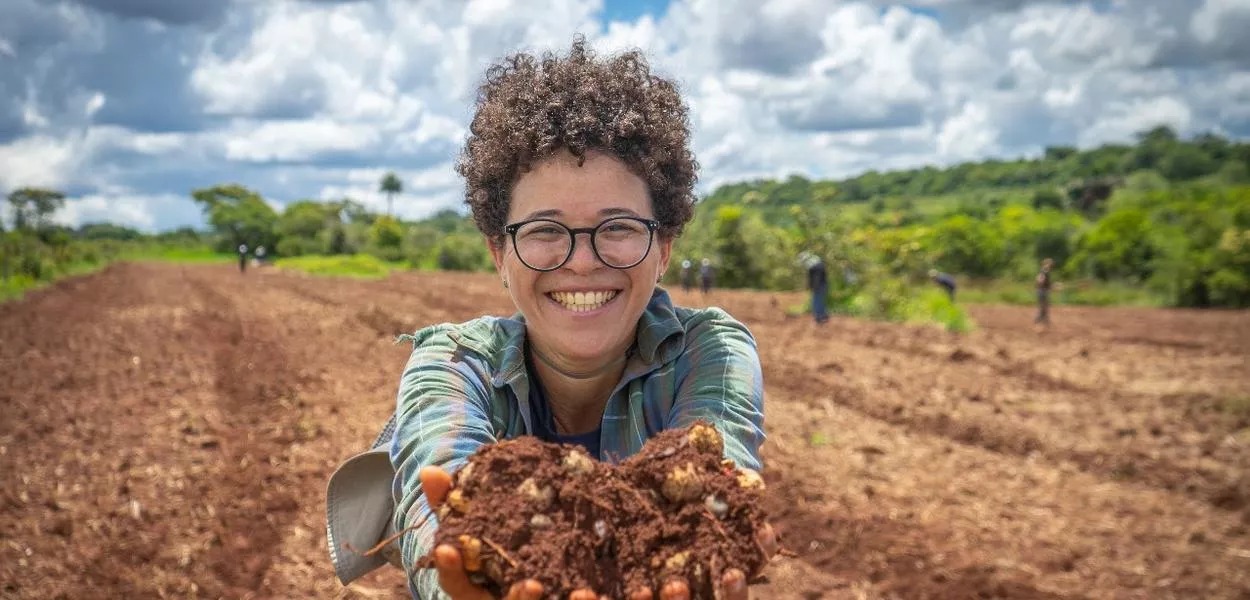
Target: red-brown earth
167,431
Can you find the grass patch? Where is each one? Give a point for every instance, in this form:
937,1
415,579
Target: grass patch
1237,406
16,286
1081,292
934,306
178,254
92,257
360,266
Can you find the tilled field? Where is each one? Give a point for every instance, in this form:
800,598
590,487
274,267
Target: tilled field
167,431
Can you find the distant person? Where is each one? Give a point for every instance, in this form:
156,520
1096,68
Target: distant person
1043,293
687,276
242,258
706,276
945,280
260,255
818,283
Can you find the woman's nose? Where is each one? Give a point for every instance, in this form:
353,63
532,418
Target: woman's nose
583,259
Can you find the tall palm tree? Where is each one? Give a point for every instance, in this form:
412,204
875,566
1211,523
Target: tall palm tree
391,185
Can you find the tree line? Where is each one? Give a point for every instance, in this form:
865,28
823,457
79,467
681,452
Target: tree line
1166,214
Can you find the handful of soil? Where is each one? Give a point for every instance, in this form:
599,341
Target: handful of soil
527,509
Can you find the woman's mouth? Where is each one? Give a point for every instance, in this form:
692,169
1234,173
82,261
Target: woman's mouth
583,301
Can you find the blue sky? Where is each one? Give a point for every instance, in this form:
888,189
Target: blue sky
632,10
128,105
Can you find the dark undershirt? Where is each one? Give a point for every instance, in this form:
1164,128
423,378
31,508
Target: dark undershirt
545,423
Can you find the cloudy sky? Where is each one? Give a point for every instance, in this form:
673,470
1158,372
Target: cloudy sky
127,105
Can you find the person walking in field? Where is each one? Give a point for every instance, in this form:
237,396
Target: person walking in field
1043,293
945,280
818,283
687,276
242,258
260,256
706,276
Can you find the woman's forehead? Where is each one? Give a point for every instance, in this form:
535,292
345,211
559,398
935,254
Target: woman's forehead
600,187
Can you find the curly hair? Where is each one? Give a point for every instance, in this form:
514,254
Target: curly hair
527,109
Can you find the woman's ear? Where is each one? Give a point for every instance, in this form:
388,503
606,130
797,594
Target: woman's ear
666,252
496,247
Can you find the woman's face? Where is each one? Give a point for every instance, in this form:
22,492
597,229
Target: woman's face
585,312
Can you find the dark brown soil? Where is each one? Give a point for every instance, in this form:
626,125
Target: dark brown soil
525,509
167,431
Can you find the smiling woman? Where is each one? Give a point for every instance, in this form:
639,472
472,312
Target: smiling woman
579,174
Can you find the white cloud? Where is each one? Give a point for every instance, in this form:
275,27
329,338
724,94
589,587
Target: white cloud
1123,119
124,209
318,99
295,140
94,104
425,191
37,161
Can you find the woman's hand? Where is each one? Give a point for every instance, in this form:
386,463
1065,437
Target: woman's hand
733,583
435,483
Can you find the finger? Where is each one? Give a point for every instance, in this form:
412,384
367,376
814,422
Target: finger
640,594
675,589
583,594
767,537
733,585
452,577
530,589
434,484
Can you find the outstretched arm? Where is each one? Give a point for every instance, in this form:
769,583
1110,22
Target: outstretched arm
442,417
725,386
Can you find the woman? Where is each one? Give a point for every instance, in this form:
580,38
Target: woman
579,174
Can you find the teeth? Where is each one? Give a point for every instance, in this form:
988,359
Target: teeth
583,301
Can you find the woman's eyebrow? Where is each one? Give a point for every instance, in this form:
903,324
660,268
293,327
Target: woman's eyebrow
553,212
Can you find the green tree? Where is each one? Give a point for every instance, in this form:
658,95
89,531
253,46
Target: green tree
1118,246
967,246
1047,198
750,253
107,231
386,238
32,206
1229,283
462,252
238,215
390,186
306,227
1183,162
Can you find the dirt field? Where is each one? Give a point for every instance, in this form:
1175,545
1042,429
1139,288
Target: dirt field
167,431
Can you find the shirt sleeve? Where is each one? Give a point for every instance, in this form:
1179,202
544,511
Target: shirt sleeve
442,417
724,385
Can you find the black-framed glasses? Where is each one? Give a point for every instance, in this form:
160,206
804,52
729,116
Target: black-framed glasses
619,242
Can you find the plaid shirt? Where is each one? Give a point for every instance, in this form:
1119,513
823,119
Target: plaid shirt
466,385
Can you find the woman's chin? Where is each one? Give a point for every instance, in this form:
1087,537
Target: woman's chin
585,352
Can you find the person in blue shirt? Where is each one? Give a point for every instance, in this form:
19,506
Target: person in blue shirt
818,283
945,280
687,276
707,275
242,258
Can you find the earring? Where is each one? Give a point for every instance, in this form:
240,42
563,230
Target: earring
505,284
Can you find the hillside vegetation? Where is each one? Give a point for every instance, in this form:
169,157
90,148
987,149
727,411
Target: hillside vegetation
1163,221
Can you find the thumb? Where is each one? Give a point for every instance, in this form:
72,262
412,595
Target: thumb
435,482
